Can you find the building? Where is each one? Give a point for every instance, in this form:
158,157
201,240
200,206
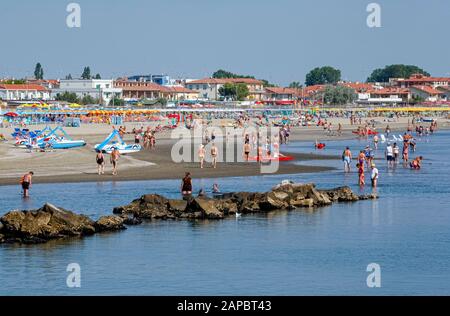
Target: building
23,92
137,90
281,94
102,89
47,83
427,93
162,80
388,95
445,92
208,88
421,80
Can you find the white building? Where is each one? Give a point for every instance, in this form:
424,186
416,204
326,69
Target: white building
102,89
23,92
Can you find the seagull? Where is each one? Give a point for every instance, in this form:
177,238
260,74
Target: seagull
238,215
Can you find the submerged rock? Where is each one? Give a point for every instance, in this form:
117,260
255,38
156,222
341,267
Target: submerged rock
46,223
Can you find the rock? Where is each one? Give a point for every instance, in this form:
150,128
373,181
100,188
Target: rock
341,194
319,198
207,207
177,206
226,206
368,197
302,203
46,223
149,206
274,201
130,220
109,223
2,238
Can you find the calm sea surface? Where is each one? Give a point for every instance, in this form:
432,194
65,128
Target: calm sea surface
406,232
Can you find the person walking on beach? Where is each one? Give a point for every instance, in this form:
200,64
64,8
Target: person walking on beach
115,154
347,158
100,163
25,182
186,185
201,155
214,152
374,176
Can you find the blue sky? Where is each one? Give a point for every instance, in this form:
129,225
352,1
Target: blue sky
276,40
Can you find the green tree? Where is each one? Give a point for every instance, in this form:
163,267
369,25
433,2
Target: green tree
68,97
38,71
87,99
295,85
323,75
97,76
395,71
117,102
86,73
14,81
237,91
223,74
338,95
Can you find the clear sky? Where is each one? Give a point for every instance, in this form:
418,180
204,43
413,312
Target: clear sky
279,40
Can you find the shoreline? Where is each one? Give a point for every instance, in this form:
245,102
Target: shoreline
78,166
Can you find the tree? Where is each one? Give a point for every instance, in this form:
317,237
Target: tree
237,91
295,85
97,76
395,71
223,74
68,97
338,95
38,71
69,77
117,102
86,73
323,75
87,99
14,81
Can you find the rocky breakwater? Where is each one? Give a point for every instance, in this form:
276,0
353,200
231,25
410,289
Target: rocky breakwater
287,197
51,222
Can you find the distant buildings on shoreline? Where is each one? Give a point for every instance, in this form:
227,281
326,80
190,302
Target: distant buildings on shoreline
151,87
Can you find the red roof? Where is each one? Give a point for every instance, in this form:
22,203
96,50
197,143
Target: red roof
424,79
25,86
427,89
358,86
225,80
280,90
178,89
388,91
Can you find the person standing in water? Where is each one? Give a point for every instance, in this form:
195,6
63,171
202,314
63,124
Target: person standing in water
115,154
347,158
186,185
390,155
374,176
361,180
375,141
25,182
100,163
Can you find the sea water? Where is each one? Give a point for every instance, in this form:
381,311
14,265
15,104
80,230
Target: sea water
406,232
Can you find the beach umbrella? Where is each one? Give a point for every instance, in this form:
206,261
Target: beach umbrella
11,114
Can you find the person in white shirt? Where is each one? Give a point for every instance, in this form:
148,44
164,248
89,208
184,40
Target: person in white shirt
374,176
390,155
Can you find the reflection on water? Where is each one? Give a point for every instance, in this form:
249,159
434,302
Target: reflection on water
325,251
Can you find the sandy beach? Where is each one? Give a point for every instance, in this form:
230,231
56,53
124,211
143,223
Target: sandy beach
78,165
